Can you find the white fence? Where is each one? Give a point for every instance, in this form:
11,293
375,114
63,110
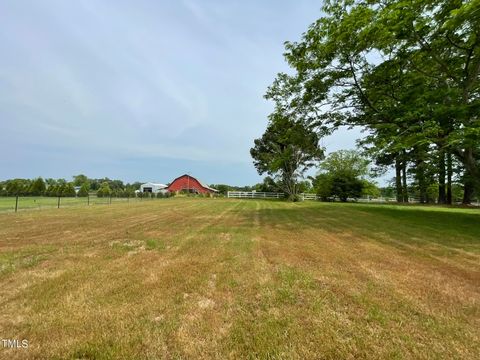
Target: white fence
254,195
274,195
309,196
266,195
304,196
378,200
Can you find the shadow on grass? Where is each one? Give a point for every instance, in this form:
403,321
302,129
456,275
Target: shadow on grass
396,225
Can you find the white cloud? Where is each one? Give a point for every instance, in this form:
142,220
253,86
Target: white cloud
121,79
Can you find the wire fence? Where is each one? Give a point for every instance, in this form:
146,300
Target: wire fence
20,203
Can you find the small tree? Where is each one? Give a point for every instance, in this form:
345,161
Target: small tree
343,175
38,187
340,186
129,193
345,187
104,190
84,189
285,151
67,190
17,187
323,186
52,190
268,185
222,188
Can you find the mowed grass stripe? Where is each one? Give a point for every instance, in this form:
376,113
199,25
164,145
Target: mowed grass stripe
213,278
372,277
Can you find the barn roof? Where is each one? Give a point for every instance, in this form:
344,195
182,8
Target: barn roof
154,184
201,183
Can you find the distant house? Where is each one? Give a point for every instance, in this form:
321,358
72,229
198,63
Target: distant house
152,187
189,184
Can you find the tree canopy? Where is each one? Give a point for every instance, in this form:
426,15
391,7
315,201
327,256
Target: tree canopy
408,72
285,151
343,175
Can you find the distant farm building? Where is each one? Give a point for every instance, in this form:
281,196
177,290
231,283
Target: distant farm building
152,188
189,184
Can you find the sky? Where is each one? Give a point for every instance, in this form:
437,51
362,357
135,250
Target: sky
142,90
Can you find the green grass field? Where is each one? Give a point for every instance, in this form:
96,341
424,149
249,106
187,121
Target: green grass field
221,278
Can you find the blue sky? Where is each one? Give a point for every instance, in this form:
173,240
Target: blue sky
142,90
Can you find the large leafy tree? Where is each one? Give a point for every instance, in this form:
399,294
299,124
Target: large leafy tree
406,71
285,151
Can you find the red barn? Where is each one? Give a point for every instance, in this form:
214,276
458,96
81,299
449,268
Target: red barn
189,184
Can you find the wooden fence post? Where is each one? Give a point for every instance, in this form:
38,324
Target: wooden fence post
16,203
58,203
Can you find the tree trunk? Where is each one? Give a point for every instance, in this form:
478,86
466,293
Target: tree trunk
398,179
441,177
289,185
471,176
467,192
420,174
419,153
404,179
468,187
449,178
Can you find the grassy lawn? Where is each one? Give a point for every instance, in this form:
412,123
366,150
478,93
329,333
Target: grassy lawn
219,278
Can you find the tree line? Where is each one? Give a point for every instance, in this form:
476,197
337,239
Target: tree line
406,72
80,186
